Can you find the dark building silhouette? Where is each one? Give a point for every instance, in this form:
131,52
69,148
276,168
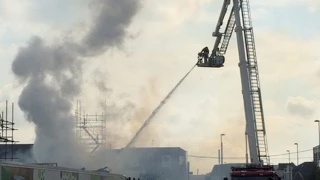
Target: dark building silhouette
164,163
316,155
305,171
16,152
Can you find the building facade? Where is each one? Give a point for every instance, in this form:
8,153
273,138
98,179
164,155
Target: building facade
167,163
16,152
154,163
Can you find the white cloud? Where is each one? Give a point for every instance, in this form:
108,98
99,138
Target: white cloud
179,9
277,51
301,106
259,13
14,10
278,3
312,5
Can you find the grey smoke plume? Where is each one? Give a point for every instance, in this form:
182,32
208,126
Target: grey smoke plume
52,74
110,28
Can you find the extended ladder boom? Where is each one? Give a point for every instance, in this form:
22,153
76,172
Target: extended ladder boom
255,125
255,90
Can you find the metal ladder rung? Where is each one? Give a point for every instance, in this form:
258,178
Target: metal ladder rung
254,80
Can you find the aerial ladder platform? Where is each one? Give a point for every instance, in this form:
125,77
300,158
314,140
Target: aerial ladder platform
240,21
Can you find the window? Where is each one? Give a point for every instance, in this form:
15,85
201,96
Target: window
166,161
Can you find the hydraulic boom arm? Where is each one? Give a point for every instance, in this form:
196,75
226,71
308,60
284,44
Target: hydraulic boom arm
221,48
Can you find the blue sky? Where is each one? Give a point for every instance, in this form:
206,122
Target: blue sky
209,102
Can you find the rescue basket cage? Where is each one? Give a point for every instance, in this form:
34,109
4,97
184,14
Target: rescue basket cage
212,61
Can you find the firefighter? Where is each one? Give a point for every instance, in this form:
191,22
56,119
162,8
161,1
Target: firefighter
213,61
205,54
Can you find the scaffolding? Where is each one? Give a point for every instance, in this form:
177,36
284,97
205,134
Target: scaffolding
6,135
90,129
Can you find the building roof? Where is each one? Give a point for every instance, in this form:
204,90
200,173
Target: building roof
282,166
154,148
24,165
29,146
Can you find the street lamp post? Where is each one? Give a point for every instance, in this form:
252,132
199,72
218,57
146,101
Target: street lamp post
318,121
297,153
219,156
317,157
221,148
289,155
